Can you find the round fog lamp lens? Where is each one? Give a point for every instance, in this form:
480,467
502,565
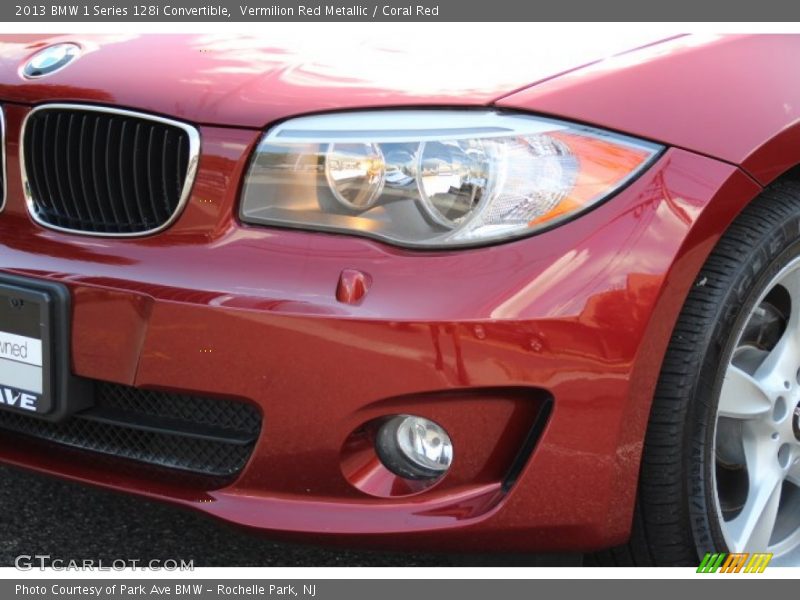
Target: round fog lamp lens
414,447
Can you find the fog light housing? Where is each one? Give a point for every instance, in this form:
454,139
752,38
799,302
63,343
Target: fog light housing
414,447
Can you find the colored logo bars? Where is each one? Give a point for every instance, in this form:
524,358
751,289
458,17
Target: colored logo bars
734,563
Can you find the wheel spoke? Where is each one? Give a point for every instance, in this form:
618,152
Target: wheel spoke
742,396
752,528
791,281
794,475
782,361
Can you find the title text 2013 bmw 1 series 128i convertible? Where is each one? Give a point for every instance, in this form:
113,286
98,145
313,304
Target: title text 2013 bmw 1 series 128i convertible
533,301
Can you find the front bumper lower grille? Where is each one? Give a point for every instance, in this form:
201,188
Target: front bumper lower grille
206,437
103,171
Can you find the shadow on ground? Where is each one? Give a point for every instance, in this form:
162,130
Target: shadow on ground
43,515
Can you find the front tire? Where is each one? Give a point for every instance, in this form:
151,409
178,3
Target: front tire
721,463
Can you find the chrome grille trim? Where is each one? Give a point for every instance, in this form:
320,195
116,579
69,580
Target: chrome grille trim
191,167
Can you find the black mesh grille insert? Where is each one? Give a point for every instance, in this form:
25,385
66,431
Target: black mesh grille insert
202,436
104,172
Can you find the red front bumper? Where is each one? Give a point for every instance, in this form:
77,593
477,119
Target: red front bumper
475,339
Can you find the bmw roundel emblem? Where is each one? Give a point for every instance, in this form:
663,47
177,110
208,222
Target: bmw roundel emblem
50,59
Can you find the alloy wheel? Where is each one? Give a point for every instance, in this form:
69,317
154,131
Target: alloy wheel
757,433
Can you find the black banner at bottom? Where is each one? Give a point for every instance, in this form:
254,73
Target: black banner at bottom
733,586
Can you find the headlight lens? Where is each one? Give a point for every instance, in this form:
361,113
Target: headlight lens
434,178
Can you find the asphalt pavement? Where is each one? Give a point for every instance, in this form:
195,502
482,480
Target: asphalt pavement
68,521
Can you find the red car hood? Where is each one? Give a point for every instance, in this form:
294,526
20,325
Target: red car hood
250,82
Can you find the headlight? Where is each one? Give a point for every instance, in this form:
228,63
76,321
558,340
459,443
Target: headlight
434,178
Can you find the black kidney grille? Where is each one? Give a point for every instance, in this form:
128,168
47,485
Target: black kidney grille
104,172
205,437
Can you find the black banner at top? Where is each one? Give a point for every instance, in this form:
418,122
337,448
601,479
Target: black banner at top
393,10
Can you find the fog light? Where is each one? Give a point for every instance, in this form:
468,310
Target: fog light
414,447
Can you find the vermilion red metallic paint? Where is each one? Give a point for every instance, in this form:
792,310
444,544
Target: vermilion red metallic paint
242,81
475,339
723,96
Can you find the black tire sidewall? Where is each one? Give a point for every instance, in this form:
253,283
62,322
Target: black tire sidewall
770,254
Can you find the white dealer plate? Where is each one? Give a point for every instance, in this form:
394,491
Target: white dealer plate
21,362
35,374
25,350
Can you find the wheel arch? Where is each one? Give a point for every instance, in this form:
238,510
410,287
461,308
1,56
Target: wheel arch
710,225
707,229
